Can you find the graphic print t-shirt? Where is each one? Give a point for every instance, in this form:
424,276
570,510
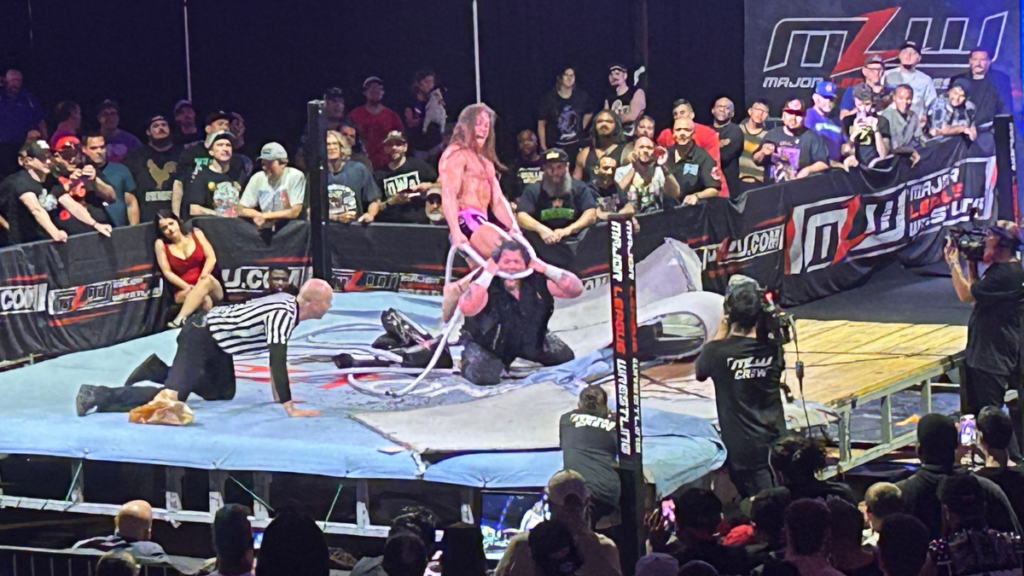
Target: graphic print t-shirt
589,447
746,373
646,197
215,191
392,182
351,190
792,153
153,172
564,117
621,106
24,227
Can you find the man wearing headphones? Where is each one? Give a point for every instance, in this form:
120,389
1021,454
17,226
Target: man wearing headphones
992,356
747,372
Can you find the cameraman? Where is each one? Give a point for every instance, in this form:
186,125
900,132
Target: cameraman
747,372
993,333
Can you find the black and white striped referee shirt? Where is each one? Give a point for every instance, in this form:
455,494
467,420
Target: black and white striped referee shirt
251,327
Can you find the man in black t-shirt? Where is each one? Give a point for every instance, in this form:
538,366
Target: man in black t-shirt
153,167
791,151
992,357
563,115
214,191
81,195
626,101
194,159
747,373
730,141
989,89
995,436
404,183
867,134
25,198
525,169
558,206
610,197
693,168
587,439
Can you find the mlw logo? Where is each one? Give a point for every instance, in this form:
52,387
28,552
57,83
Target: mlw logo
815,43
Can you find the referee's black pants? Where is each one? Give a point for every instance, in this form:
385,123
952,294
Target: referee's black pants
200,367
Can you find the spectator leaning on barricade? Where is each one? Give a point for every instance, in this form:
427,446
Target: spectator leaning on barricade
730,141
525,169
693,169
185,132
564,113
214,191
867,133
404,182
873,70
937,442
819,119
25,199
119,142
753,132
989,90
922,86
79,191
610,197
425,116
276,192
124,210
69,118
568,500
559,206
881,500
606,139
375,121
649,187
153,166
20,112
628,102
704,136
195,158
791,151
351,192
905,126
995,434
953,113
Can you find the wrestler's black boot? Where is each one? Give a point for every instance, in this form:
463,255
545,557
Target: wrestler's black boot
105,399
152,369
419,356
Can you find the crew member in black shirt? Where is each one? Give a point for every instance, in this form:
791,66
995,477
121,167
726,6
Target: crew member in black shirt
747,373
404,183
693,168
992,357
587,438
507,318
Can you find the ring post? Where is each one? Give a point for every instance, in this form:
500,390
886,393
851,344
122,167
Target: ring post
627,390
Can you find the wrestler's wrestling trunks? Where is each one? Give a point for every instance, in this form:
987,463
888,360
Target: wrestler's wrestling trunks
470,219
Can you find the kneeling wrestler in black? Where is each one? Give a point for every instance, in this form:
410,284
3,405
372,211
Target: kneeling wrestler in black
508,319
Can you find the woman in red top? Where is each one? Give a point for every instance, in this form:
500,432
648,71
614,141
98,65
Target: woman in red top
187,261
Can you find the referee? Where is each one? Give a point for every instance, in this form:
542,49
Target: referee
204,363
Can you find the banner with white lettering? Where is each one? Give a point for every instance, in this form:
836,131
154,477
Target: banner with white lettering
792,46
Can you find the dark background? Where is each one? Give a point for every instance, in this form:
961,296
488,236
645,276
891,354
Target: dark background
265,60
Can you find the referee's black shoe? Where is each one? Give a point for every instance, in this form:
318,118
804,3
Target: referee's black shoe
152,369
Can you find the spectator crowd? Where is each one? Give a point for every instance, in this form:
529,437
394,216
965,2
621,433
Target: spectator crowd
585,159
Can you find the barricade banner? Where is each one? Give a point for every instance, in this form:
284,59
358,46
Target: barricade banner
792,46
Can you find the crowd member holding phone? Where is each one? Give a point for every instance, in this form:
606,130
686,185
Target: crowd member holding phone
992,356
81,195
867,133
645,182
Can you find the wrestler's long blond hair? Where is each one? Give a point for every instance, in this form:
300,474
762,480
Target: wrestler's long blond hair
463,134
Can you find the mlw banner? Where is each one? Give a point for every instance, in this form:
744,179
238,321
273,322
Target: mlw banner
792,46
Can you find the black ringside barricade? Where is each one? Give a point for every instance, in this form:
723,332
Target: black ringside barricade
803,239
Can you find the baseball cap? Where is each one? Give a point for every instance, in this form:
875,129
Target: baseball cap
182,104
333,93
555,155
221,135
657,564
825,89
273,151
910,44
67,142
565,484
963,84
395,136
874,59
1008,230
37,149
795,106
617,66
155,118
218,115
371,80
862,92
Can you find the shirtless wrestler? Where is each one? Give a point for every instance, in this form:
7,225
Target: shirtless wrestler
469,184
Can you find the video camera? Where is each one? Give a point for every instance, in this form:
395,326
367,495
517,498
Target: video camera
773,324
970,243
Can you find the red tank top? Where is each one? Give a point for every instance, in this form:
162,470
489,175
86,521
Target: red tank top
190,268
